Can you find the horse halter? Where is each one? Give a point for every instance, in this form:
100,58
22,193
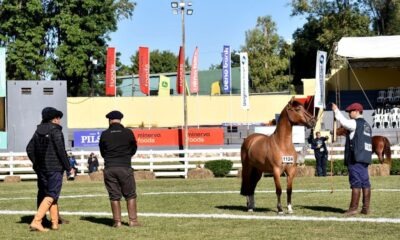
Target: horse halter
289,107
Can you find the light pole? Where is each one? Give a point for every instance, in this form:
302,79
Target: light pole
176,8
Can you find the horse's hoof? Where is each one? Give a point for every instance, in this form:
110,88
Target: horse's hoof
250,210
281,213
290,212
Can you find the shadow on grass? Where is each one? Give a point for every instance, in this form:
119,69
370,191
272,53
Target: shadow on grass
322,209
98,220
26,219
242,208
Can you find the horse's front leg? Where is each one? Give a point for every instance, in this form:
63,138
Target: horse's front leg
278,189
290,176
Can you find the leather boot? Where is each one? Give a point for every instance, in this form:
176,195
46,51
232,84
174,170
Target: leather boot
366,200
54,216
355,198
132,213
36,224
116,211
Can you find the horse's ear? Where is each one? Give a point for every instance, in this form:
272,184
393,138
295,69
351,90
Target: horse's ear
291,101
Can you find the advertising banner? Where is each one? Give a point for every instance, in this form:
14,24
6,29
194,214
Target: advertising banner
87,138
194,73
170,137
111,75
319,101
163,86
226,70
244,81
180,73
2,72
144,70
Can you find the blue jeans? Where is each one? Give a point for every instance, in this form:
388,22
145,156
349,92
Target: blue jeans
358,175
49,184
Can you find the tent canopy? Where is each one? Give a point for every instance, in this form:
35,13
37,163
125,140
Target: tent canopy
369,47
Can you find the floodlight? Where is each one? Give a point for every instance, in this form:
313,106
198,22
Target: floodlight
189,11
174,4
175,11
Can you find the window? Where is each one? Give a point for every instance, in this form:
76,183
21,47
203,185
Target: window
26,91
48,91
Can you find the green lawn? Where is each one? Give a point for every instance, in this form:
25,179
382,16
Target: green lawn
217,196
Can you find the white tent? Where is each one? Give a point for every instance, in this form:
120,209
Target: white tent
369,47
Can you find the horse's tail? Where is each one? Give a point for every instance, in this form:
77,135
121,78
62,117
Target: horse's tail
250,175
388,152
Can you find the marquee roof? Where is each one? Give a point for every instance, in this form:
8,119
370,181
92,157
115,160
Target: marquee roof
369,47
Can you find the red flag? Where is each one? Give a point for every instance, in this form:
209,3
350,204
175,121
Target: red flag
144,70
111,76
194,73
180,75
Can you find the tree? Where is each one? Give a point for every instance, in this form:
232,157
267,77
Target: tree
327,22
385,15
269,57
22,31
56,39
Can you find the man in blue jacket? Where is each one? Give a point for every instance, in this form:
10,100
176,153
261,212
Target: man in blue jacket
46,150
357,155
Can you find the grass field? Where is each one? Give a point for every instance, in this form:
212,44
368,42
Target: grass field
209,209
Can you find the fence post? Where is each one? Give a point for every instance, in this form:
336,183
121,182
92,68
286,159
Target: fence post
186,163
11,163
151,160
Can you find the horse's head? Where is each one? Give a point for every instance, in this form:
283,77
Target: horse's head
298,115
341,131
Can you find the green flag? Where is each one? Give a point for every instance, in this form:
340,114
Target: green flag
163,86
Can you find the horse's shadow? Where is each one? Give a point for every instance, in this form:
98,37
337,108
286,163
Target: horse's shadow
322,208
242,208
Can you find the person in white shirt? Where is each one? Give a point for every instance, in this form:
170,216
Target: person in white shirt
357,157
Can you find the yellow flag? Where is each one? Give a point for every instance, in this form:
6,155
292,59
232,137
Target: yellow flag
215,88
163,86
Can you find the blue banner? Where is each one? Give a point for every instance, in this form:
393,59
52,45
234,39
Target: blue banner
226,70
87,138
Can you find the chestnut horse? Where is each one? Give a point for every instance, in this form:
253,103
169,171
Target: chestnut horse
273,154
380,146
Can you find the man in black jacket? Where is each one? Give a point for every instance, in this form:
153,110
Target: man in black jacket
46,150
320,152
117,146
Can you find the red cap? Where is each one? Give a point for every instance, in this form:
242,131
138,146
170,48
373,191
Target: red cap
354,107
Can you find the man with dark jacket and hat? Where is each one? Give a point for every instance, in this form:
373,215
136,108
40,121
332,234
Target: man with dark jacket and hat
357,155
117,146
46,150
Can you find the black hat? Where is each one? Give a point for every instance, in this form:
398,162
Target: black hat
49,113
115,115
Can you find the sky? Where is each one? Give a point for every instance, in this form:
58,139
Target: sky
214,23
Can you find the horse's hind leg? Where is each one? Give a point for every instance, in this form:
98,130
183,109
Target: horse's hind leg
250,178
278,189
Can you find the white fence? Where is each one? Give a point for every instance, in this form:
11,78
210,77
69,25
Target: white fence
164,163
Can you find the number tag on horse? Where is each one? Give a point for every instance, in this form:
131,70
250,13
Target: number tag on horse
287,159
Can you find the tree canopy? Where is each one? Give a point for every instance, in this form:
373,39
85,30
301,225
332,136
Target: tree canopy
57,39
269,56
